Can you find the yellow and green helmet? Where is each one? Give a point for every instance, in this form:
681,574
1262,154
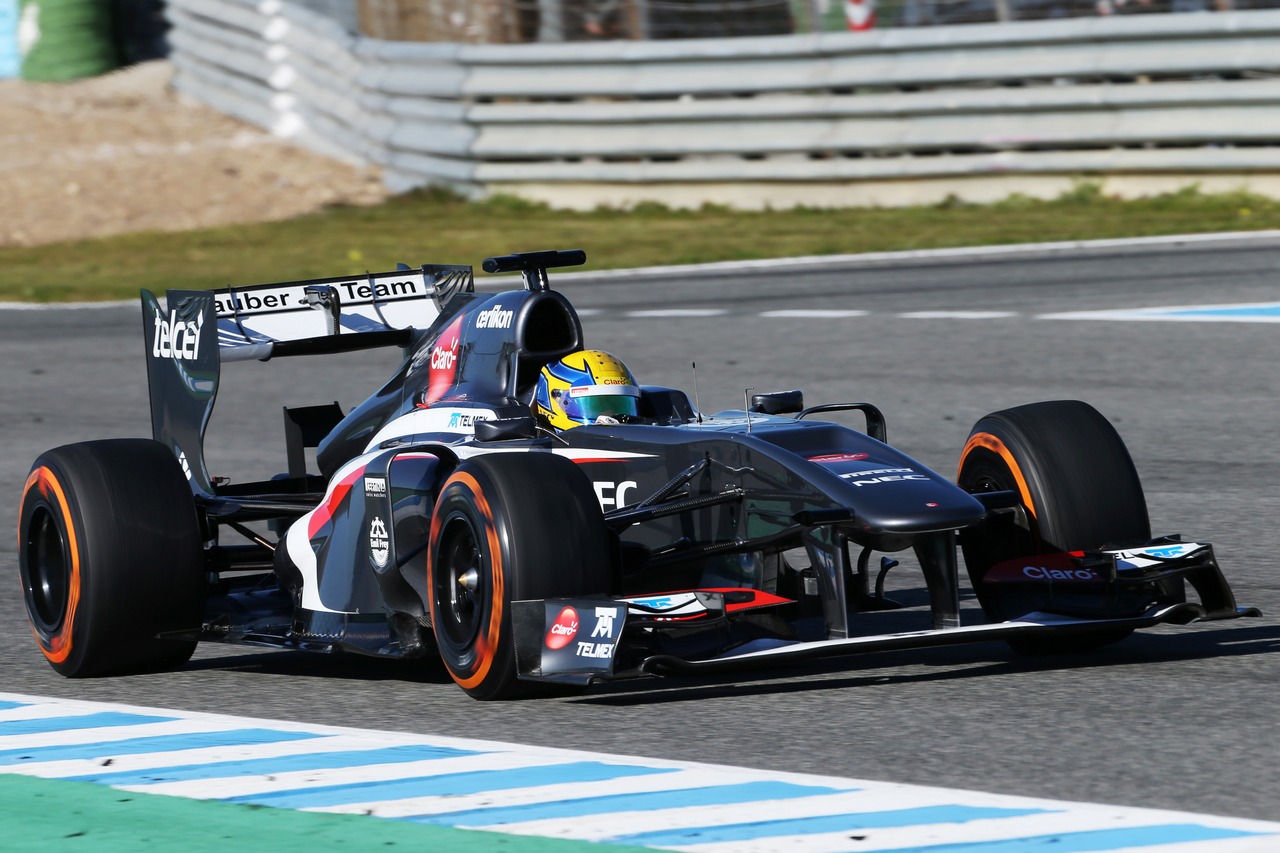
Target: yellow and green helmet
583,387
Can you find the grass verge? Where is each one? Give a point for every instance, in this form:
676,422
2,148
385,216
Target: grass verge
431,227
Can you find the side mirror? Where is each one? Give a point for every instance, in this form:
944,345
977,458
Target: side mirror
506,429
778,402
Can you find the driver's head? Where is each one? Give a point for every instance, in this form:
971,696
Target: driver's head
583,387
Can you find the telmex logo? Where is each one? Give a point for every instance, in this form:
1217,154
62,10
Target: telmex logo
563,630
459,420
495,318
176,338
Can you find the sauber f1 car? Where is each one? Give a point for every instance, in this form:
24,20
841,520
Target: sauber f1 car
443,519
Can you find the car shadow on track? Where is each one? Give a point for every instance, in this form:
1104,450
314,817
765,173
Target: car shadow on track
955,663
304,664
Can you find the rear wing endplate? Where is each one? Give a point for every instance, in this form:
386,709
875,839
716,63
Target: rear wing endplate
189,338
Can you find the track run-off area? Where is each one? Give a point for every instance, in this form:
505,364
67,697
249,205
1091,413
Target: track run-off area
1163,741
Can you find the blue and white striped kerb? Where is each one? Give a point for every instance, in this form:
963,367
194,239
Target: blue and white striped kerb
560,793
1250,312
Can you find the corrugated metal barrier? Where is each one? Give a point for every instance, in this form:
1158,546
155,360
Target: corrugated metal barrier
785,117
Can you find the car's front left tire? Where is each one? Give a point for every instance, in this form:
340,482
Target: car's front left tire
508,527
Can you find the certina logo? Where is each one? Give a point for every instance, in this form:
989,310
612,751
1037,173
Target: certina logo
563,630
1041,573
458,420
375,487
612,495
176,338
379,543
882,475
495,318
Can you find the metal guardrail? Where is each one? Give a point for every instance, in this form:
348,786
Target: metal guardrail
1185,94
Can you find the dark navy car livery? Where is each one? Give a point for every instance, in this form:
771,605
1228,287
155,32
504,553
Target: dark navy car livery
442,519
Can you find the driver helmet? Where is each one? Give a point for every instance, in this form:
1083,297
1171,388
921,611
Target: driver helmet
586,387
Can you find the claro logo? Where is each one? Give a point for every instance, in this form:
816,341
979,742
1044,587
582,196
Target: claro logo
1042,573
563,630
176,338
443,362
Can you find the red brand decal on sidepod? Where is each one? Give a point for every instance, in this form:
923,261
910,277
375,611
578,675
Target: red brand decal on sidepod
444,362
563,630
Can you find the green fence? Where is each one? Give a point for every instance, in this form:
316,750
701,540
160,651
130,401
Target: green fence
67,39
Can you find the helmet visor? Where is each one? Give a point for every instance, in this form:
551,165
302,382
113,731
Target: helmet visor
586,403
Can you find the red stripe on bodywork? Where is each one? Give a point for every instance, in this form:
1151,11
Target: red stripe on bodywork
324,513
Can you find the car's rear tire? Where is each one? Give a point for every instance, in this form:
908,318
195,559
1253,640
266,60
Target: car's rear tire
508,527
1078,488
109,557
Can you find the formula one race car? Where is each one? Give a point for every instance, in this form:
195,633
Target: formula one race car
446,519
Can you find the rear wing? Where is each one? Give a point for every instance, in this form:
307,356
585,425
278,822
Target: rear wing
317,316
313,317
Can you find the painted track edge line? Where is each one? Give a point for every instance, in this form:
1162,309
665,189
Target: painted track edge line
720,267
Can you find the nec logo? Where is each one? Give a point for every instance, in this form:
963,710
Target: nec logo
613,494
495,318
176,338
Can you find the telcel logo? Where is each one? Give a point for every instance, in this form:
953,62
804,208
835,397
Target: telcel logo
176,338
563,630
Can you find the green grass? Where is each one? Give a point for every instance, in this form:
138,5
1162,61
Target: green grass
431,227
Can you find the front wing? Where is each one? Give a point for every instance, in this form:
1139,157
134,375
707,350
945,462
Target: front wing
585,639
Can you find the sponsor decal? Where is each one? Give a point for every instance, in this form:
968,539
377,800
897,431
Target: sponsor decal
563,629
613,495
882,475
378,290
243,303
604,621
177,339
606,630
379,542
1044,573
442,359
832,458
1042,568
375,487
1164,552
594,650
495,318
462,420
182,460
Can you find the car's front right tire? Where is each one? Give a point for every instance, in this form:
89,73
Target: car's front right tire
1078,489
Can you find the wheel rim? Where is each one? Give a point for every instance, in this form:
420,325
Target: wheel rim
46,572
459,584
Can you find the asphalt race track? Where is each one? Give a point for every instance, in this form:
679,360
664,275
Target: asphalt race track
1180,718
